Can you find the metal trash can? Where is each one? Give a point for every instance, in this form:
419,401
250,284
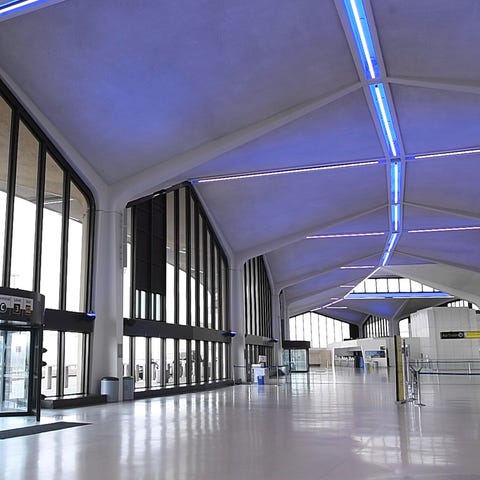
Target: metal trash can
128,388
109,387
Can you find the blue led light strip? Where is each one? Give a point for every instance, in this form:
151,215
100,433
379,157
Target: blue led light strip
380,101
7,7
395,180
361,33
357,18
392,241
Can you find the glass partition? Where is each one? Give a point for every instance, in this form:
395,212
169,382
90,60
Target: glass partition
14,371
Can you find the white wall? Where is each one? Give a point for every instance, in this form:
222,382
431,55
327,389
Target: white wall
427,324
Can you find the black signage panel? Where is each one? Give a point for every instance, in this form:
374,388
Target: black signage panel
452,334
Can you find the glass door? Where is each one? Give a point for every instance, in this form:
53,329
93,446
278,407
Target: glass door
14,370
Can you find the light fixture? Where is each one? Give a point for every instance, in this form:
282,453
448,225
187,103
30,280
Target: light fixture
396,217
446,229
287,171
6,7
12,7
392,241
353,267
363,38
345,235
347,286
229,333
446,154
395,179
332,307
379,97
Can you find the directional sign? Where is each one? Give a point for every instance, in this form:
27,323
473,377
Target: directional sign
466,334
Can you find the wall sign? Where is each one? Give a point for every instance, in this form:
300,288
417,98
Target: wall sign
465,334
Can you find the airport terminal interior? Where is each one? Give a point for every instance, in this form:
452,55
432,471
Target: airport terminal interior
239,239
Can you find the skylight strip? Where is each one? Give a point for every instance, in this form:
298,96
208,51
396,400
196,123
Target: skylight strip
288,171
372,295
447,154
363,38
390,246
384,115
344,235
445,229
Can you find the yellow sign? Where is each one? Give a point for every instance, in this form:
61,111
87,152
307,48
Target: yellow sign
472,334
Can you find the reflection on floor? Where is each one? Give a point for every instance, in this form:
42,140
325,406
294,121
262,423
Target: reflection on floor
335,425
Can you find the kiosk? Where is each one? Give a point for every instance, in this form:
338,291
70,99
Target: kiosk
21,332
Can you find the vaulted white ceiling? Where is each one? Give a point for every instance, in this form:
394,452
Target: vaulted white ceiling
152,93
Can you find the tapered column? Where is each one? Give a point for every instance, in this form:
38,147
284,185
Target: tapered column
276,328
107,300
237,322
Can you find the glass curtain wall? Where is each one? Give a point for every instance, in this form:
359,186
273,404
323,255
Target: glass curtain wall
258,312
317,329
46,218
176,274
375,327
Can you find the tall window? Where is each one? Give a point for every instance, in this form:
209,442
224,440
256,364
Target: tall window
404,327
317,329
258,312
257,299
177,275
375,327
46,214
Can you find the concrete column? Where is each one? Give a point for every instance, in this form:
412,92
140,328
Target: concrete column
237,322
393,327
107,300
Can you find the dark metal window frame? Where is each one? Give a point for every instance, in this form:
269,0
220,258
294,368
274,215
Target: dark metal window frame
21,116
210,331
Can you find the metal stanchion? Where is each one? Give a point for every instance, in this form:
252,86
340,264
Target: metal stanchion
415,394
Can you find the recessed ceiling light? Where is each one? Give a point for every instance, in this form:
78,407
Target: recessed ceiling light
12,7
395,173
447,154
287,171
446,229
353,267
390,246
396,209
380,101
343,235
361,33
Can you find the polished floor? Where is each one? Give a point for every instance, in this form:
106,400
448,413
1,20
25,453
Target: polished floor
333,425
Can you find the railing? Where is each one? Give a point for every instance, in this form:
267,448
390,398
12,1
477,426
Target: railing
447,367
